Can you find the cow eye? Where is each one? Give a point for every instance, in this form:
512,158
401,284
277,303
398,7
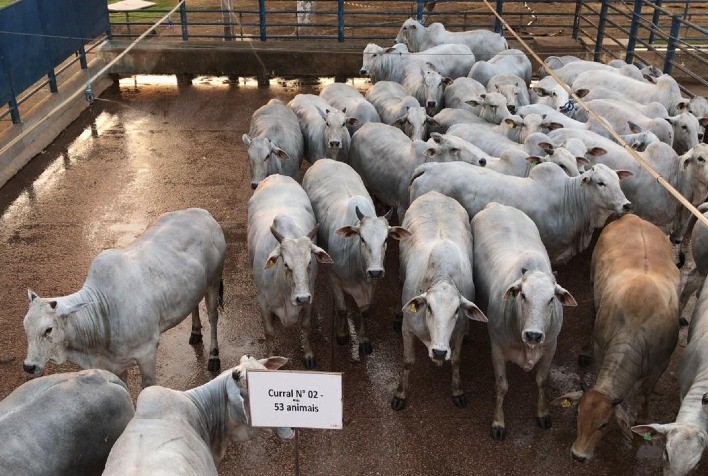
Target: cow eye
344,123
701,159
523,296
603,426
47,332
684,128
374,55
601,184
363,241
550,301
454,150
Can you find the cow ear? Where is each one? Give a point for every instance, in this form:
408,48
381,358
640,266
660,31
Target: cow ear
473,102
649,79
581,93
596,151
447,81
273,363
513,290
567,400
347,231
552,126
323,114
401,120
534,160
272,258
437,137
471,310
64,310
431,121
415,304
280,152
623,421
246,139
634,127
390,49
565,297
623,174
652,431
546,145
398,232
703,121
236,402
585,180
540,92
582,161
352,121
681,105
31,295
510,122
431,152
321,255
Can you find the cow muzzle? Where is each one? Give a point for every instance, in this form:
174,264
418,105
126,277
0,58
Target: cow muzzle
363,72
254,185
533,337
627,207
439,355
375,273
302,299
335,144
579,458
431,104
32,369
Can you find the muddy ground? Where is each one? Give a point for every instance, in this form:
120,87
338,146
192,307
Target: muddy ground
141,151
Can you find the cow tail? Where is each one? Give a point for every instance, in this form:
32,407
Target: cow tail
220,299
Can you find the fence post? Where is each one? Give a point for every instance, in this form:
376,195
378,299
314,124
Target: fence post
52,81
497,22
671,46
601,30
14,110
340,20
183,20
82,57
419,11
633,31
576,18
654,21
227,11
262,18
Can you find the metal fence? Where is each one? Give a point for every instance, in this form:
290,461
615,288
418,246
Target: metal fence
36,36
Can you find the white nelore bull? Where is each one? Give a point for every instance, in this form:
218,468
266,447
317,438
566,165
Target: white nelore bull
524,304
281,242
436,269
427,85
687,437
274,141
131,296
512,88
396,107
354,237
505,62
323,127
387,64
346,98
699,250
652,109
483,43
566,210
460,91
176,432
385,159
63,423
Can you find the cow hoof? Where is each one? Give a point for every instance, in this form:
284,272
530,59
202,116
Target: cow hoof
683,321
195,339
365,348
460,401
397,324
498,433
583,360
214,364
398,404
544,422
342,340
310,363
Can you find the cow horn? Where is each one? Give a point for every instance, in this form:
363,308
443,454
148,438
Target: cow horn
359,215
312,233
389,214
276,234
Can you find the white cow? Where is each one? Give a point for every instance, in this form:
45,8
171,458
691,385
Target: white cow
492,107
176,432
652,109
347,98
436,269
448,117
385,158
524,304
483,43
354,237
461,90
63,423
323,127
387,64
572,70
518,162
131,296
624,119
699,250
396,107
566,210
281,242
508,62
512,87
427,85
275,143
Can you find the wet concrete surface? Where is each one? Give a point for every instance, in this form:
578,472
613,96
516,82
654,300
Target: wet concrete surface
139,152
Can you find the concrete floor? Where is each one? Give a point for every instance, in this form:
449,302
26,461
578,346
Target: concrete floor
139,152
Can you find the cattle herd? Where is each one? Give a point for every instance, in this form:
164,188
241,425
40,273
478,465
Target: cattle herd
492,182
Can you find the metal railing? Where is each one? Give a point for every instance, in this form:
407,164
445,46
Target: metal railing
649,32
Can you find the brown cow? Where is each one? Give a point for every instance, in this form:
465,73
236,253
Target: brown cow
636,328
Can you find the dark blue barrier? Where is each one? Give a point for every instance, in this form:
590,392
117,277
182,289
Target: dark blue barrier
38,35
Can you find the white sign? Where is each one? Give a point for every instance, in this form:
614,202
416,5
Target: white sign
283,398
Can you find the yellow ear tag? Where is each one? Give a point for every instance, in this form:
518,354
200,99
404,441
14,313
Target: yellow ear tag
413,308
647,436
270,264
565,403
511,126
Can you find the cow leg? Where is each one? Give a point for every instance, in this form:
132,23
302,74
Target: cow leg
148,368
212,303
693,283
196,336
267,318
399,398
543,417
498,428
458,395
305,323
364,343
341,310
645,389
